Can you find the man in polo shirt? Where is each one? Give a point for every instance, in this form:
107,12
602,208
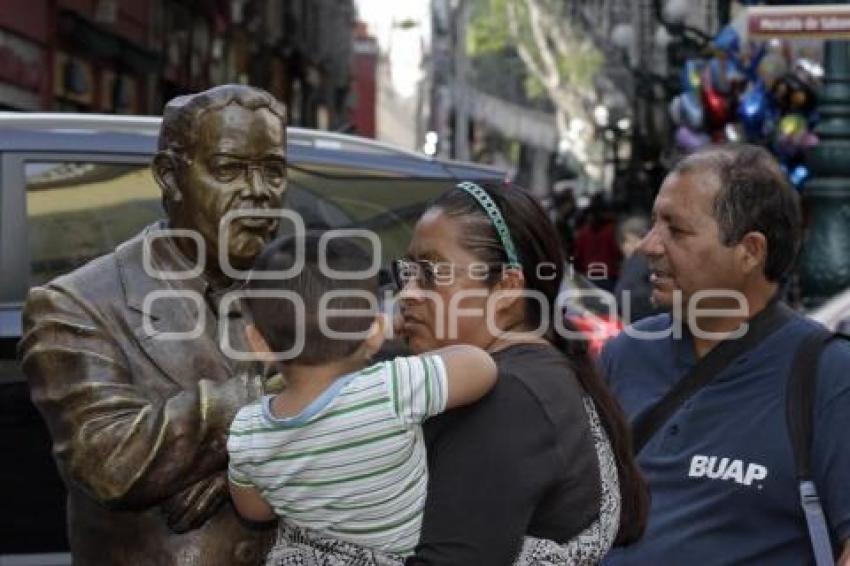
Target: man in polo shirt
726,228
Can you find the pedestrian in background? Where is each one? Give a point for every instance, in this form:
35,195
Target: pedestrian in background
597,255
633,289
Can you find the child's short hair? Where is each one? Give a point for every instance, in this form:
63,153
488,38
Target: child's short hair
275,317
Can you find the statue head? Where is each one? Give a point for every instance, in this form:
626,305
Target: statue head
221,150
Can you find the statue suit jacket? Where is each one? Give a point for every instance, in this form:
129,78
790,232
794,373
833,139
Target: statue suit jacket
136,419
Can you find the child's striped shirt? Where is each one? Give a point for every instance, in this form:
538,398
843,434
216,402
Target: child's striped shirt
352,464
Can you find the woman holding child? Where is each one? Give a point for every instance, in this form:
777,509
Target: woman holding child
539,471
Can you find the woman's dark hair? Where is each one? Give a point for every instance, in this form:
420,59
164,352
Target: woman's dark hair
537,244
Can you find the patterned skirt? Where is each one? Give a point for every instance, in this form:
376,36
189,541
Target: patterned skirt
298,547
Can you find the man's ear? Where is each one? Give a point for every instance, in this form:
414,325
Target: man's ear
164,168
258,343
753,248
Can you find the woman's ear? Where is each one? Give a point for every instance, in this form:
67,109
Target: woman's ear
164,168
510,289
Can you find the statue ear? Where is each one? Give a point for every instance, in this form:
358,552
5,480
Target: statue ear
165,172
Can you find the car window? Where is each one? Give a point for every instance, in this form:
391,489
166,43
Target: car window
80,210
387,205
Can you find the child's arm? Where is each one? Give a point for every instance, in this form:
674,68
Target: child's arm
246,497
250,504
470,374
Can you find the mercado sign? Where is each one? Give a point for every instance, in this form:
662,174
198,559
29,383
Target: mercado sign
823,21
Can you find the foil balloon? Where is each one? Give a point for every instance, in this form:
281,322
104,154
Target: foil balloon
728,40
675,110
692,111
771,67
792,94
809,141
752,111
715,105
725,75
692,75
790,136
754,56
792,126
718,75
809,70
799,175
733,132
688,140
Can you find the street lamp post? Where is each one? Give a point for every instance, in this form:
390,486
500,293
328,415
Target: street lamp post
461,64
649,90
825,261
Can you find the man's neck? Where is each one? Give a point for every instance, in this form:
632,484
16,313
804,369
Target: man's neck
709,331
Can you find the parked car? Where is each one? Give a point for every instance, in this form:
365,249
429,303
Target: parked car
73,186
591,310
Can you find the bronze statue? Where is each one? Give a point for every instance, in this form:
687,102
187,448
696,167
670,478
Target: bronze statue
138,417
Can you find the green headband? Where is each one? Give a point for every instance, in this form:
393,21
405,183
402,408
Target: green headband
496,219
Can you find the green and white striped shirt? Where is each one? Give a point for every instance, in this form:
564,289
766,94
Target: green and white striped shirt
352,464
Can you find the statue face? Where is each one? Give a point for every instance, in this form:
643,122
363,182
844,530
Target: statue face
238,162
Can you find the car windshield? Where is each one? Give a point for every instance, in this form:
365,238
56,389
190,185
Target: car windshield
81,210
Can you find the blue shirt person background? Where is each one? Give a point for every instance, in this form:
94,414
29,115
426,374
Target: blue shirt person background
721,469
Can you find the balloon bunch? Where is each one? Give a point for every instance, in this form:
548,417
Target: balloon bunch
759,94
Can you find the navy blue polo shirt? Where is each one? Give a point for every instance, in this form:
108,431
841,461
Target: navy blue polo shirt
721,469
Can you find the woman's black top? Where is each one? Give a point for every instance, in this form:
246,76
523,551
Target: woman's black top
520,461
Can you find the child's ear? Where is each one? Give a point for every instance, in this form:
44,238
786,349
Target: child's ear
376,336
258,343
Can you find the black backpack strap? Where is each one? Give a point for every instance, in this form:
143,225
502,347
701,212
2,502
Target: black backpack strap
799,407
712,364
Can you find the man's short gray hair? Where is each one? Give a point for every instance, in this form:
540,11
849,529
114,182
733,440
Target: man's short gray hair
181,115
754,196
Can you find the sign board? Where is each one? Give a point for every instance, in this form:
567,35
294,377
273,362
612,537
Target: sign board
823,21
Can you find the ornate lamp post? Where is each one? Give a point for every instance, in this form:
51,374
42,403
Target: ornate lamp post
825,261
650,93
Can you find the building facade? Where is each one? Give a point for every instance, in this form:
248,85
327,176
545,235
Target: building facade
130,56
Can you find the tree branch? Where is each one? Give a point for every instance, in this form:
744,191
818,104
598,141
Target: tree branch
522,50
544,49
561,34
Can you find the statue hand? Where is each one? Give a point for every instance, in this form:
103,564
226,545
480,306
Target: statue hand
190,508
398,325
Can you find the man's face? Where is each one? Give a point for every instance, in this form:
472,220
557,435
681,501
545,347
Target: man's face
684,248
238,162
